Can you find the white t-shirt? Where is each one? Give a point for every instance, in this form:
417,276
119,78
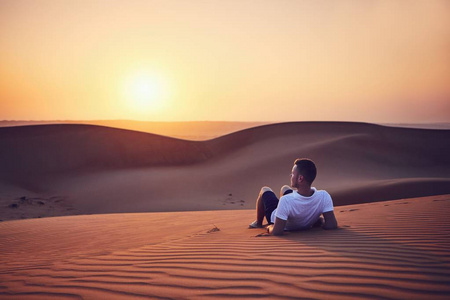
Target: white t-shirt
302,212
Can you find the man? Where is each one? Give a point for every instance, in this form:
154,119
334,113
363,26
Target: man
295,210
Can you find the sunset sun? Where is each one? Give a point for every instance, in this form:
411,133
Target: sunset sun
145,91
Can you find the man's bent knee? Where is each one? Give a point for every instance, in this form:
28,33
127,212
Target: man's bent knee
284,189
265,189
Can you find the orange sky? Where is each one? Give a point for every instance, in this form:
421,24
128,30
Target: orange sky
374,61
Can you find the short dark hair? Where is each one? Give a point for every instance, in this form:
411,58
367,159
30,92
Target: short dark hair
306,168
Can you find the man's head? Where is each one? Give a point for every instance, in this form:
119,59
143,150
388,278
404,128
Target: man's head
303,172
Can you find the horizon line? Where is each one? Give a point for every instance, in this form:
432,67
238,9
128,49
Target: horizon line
220,121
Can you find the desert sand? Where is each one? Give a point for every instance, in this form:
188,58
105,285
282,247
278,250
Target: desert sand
95,212
391,250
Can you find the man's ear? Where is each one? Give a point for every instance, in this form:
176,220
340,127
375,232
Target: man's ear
300,178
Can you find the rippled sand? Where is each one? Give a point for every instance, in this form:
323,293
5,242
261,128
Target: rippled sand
395,249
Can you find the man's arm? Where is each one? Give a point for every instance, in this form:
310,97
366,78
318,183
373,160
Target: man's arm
330,220
278,227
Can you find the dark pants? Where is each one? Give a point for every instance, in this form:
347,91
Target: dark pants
270,202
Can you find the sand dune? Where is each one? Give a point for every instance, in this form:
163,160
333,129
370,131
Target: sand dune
196,130
391,250
45,149
95,169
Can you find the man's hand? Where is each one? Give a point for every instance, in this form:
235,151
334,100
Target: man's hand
277,228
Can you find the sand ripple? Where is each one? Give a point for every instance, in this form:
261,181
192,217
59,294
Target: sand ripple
391,250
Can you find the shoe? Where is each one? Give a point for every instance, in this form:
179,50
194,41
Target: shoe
254,224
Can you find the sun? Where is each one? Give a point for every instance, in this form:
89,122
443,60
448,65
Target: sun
145,91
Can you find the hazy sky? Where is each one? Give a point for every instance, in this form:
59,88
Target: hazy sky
374,61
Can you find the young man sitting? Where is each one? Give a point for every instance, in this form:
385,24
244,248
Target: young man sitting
296,210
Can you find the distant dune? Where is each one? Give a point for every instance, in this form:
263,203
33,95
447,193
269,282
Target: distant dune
196,130
49,170
436,125
192,130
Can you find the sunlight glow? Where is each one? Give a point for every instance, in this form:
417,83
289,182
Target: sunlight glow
368,61
145,92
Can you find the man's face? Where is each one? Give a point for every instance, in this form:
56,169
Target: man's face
294,177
